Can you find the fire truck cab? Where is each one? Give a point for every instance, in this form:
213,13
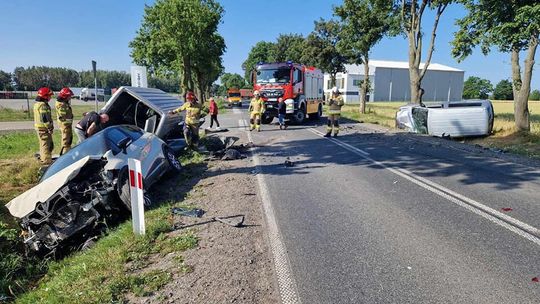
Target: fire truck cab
300,86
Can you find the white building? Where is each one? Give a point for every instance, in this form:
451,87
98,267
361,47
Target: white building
390,82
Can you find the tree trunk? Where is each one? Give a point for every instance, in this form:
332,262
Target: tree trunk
365,85
522,86
415,37
414,74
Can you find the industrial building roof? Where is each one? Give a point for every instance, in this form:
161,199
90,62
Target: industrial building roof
373,64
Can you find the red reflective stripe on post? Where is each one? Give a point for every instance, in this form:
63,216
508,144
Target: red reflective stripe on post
132,178
140,181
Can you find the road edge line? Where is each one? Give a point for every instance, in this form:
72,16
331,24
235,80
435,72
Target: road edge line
286,284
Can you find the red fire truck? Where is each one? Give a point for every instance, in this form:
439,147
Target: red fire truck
300,86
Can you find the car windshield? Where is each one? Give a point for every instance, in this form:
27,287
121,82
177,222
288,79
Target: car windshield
95,145
279,75
234,94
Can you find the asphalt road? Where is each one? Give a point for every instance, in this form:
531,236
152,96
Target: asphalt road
392,218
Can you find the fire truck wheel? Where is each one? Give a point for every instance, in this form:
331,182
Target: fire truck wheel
300,115
266,119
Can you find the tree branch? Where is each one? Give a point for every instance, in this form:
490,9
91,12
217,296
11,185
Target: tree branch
440,11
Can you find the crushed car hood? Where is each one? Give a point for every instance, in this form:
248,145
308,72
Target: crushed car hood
25,203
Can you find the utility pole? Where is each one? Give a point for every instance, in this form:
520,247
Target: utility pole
94,63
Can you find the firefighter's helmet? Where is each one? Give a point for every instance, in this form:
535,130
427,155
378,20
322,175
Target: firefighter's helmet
190,96
335,91
65,93
45,93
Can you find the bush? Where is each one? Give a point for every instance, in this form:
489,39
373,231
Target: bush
535,95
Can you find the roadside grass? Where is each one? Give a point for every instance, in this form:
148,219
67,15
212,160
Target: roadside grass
107,272
504,135
7,114
379,113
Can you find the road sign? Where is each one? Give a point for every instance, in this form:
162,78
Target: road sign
137,196
138,77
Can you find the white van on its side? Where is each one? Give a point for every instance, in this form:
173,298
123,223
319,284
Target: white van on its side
90,94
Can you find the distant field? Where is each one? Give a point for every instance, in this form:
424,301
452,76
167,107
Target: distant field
504,134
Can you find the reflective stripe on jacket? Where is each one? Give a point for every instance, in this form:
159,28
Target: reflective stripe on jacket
335,105
42,115
64,113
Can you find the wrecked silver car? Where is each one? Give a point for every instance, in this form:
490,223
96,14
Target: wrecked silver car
88,185
457,119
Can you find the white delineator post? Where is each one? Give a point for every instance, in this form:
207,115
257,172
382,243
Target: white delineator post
137,196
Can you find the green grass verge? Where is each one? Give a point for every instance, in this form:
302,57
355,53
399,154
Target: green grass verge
7,114
105,273
504,133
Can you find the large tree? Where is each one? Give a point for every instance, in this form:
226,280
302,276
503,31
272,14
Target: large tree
503,90
412,13
232,81
261,52
5,80
34,77
181,36
512,26
289,47
477,88
321,50
365,23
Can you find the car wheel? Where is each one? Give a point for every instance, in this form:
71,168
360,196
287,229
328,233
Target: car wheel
173,161
122,188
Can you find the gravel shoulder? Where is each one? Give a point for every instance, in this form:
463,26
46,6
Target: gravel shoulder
229,265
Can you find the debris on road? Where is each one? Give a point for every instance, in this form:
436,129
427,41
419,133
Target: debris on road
234,220
188,212
535,279
232,154
507,209
289,163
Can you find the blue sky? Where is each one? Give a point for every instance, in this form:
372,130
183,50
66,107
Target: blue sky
71,33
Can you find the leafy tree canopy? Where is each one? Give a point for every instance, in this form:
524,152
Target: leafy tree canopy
503,91
477,88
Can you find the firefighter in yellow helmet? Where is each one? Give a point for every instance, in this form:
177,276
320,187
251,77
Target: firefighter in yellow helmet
43,123
334,112
256,109
191,124
64,115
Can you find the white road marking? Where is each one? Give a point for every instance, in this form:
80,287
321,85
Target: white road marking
340,143
285,279
237,111
520,228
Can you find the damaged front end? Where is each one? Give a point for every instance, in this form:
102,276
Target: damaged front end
71,214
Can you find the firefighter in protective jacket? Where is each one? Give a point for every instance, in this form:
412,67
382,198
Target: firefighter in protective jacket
43,123
64,115
191,124
334,112
256,109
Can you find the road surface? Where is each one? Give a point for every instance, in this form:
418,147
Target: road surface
375,217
